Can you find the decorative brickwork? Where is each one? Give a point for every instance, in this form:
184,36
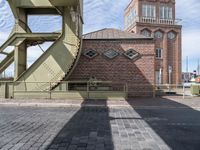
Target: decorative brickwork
120,69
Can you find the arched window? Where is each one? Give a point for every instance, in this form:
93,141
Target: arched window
171,35
158,35
146,33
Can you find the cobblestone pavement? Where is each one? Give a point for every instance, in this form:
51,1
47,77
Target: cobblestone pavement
99,128
86,128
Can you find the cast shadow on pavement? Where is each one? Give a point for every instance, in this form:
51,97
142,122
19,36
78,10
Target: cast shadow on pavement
88,129
178,125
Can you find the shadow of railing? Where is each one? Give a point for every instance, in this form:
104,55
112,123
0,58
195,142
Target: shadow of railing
89,128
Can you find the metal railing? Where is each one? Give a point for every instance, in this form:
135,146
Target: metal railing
173,89
85,89
90,89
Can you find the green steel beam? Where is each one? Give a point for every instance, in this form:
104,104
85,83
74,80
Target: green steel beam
43,3
4,53
7,62
18,38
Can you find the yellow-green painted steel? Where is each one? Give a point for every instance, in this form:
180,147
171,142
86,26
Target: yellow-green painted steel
43,3
195,89
59,60
7,62
17,39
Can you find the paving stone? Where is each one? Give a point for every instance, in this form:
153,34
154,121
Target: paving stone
86,128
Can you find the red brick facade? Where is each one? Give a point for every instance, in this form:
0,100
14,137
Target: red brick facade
119,69
141,74
171,48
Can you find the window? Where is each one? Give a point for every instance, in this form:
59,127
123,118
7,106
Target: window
158,53
165,12
90,53
146,33
130,18
158,34
149,11
131,54
111,54
171,35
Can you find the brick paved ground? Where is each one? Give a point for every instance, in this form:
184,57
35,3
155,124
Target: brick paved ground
85,128
99,128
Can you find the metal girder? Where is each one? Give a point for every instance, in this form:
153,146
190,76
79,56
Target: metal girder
42,3
12,41
17,38
59,60
4,53
64,2
4,64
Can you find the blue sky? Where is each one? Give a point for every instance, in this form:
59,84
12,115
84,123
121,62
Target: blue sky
109,13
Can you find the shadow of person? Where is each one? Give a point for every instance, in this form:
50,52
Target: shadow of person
88,129
175,123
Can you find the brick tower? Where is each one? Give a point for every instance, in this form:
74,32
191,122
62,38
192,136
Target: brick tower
157,18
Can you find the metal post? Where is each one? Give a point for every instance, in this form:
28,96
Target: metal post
13,90
126,91
50,90
6,90
67,86
88,88
154,91
183,91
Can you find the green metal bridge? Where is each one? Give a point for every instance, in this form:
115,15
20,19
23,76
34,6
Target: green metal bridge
55,64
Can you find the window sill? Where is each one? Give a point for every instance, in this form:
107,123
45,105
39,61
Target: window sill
159,58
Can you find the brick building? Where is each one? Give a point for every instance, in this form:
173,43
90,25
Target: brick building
120,57
157,18
148,52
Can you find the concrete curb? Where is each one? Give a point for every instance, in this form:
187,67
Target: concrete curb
67,105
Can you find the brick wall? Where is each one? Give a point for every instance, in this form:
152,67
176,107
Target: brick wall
119,69
171,50
172,53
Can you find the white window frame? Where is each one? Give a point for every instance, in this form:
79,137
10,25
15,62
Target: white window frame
159,52
149,11
130,18
166,12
